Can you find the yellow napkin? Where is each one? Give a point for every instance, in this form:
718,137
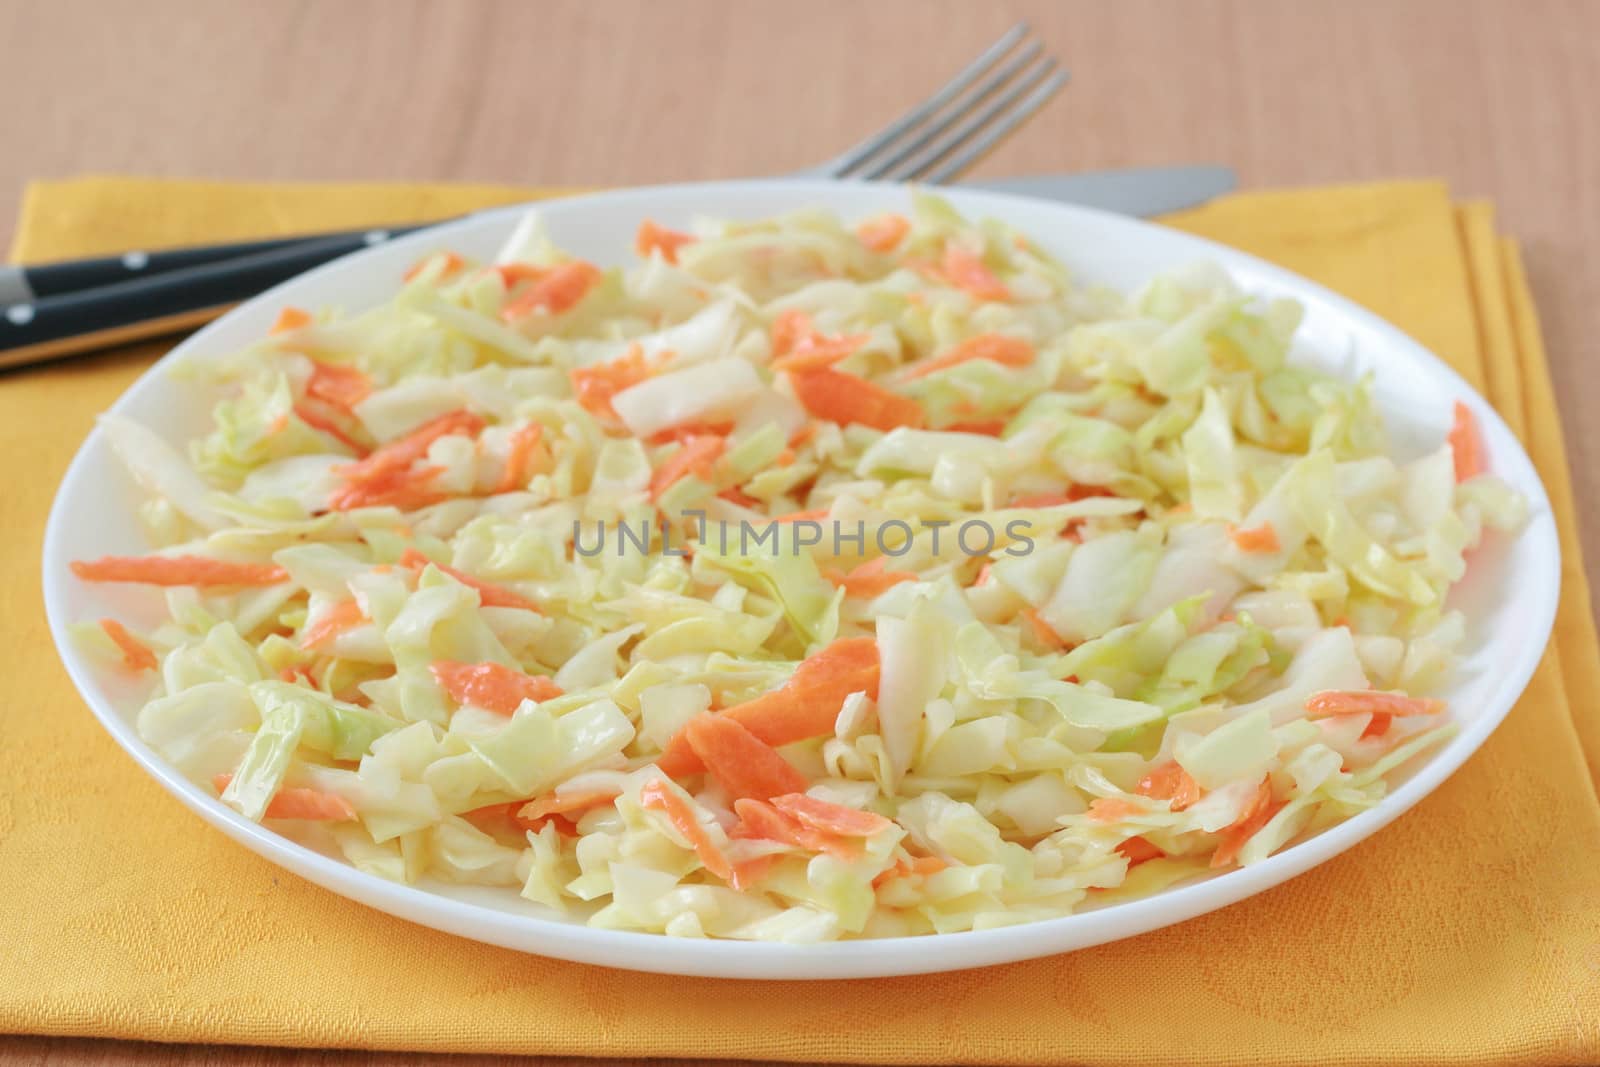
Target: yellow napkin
1469,931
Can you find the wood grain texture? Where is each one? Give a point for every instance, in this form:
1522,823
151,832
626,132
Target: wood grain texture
1494,95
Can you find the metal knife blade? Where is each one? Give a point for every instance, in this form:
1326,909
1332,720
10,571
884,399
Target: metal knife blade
1141,191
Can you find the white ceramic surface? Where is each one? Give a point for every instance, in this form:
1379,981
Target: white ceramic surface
1509,595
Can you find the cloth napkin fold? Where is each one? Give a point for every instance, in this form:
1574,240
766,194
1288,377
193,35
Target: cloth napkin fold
1466,932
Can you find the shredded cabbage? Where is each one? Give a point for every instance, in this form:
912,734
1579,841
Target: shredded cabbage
797,583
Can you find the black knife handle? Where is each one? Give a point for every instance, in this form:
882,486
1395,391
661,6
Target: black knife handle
176,299
21,284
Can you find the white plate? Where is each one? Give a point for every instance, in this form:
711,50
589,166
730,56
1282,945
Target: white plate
1509,595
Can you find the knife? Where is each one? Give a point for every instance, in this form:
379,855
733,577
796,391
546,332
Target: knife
61,309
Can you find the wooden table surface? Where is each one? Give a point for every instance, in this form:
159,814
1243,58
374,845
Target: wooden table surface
1496,97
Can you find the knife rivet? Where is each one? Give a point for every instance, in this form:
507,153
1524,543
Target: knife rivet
19,314
135,260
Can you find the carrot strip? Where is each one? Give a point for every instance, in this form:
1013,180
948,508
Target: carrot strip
309,804
659,796
343,616
558,290
177,570
845,398
289,319
869,579
968,273
687,430
746,874
830,818
1256,815
1381,721
334,383
135,653
653,238
402,452
695,456
804,706
1071,495
491,686
802,435
594,386
405,489
738,496
489,594
744,764
1139,850
987,427
1113,809
1466,444
884,232
519,459
1170,782
317,421
1263,538
994,347
565,803
1043,632
1355,702
452,263
759,819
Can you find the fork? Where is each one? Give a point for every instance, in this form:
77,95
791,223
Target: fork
64,308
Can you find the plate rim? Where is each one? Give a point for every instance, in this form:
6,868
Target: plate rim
881,957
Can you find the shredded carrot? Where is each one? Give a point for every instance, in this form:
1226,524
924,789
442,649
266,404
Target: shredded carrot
738,496
784,458
1358,701
317,421
571,803
309,804
1378,726
884,232
805,706
987,427
177,570
653,238
744,764
489,594
1139,850
335,383
659,796
845,398
830,818
290,318
558,290
1113,809
968,273
345,615
1070,496
519,458
694,457
1256,815
402,452
1263,538
452,263
491,686
296,674
759,819
1466,444
802,435
405,489
1170,782
1043,632
994,347
869,579
595,385
984,573
687,430
135,653
747,873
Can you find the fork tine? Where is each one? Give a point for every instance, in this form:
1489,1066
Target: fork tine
842,164
876,167
985,128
